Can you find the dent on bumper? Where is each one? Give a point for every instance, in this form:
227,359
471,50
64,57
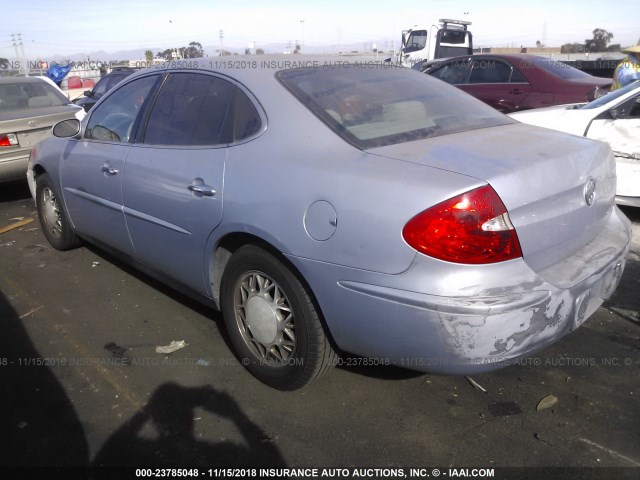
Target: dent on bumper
464,335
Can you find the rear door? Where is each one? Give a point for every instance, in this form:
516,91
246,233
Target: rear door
91,169
497,83
174,182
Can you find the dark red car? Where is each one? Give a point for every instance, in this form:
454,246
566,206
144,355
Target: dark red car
517,82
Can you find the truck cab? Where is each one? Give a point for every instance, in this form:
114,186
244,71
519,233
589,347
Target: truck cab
451,38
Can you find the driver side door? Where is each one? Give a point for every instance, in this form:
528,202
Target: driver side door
91,168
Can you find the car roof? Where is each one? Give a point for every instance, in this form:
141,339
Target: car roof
243,66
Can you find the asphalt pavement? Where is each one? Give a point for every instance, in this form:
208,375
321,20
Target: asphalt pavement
82,385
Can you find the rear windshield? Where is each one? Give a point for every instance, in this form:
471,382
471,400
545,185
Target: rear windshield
25,96
375,106
559,69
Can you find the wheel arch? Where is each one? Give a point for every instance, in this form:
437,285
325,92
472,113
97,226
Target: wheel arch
229,244
32,175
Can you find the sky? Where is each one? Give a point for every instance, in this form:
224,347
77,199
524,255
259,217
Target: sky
65,27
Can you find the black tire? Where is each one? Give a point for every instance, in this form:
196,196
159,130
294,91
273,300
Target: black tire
272,321
53,217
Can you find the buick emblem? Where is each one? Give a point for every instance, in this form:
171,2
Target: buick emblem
33,123
590,191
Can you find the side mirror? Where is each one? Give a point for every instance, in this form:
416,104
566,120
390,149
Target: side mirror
614,113
88,93
67,128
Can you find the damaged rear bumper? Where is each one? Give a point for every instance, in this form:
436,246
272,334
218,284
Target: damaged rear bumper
474,318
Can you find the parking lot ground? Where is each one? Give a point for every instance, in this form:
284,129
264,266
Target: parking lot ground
82,383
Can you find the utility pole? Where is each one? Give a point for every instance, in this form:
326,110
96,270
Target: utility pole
221,42
24,68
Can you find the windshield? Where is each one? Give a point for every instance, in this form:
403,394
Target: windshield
611,96
559,69
383,105
416,41
24,96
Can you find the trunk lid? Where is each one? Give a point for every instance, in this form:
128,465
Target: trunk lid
33,125
543,177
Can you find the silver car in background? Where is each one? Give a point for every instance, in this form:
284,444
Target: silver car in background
29,107
331,207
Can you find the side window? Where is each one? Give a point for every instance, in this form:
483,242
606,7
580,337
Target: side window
453,72
517,77
114,80
113,119
101,87
489,71
416,41
627,110
192,109
634,107
247,119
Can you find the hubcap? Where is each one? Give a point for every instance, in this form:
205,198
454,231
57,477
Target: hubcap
264,317
51,212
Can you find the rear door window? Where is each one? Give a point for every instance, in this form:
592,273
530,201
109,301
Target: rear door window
195,109
489,71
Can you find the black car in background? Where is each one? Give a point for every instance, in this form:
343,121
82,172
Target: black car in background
105,84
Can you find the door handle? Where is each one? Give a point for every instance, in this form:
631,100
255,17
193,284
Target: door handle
516,92
205,190
106,168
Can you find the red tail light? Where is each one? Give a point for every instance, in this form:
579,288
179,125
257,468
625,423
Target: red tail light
471,228
8,140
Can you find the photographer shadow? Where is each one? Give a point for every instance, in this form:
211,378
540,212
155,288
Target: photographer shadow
39,422
170,412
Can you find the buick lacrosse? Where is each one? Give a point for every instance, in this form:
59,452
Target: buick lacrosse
341,208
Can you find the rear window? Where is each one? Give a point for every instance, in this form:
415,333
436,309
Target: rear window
558,69
26,96
375,106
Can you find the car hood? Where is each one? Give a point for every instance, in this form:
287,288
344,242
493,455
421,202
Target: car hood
541,175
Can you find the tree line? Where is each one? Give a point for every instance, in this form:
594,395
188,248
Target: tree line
598,43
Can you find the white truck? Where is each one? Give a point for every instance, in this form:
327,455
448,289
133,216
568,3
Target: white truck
448,39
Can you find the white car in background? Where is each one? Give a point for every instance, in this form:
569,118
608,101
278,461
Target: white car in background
613,118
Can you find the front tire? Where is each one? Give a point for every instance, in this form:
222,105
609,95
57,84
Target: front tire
272,321
53,218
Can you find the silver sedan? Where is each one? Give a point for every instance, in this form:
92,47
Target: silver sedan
29,107
327,207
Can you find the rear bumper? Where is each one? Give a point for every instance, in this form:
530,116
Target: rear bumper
451,319
13,166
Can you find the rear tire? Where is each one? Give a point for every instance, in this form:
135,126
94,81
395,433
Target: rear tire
272,321
53,218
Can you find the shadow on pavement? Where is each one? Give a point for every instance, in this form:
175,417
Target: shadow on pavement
162,434
39,424
11,191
